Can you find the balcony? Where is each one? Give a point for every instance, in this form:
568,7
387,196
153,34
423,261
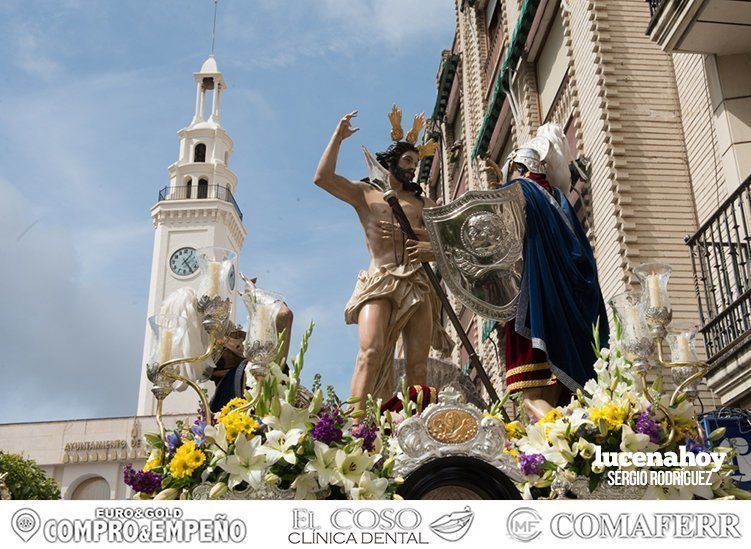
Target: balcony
721,27
199,192
721,260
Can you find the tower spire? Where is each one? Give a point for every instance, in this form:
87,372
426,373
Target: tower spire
213,28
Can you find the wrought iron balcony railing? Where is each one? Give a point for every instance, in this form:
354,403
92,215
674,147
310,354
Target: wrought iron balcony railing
653,6
200,191
721,259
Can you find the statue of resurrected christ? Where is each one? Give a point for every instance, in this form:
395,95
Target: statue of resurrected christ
394,296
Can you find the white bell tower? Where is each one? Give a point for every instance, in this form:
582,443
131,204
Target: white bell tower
197,209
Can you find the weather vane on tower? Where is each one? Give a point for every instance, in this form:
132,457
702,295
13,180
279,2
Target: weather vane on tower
213,27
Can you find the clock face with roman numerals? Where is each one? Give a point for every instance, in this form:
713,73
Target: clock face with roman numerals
183,261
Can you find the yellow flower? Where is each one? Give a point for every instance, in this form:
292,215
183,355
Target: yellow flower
684,431
238,423
551,416
514,429
186,460
613,415
511,451
151,464
231,405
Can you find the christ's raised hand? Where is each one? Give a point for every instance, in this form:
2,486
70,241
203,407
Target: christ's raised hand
344,129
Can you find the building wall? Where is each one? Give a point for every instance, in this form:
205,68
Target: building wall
74,451
702,149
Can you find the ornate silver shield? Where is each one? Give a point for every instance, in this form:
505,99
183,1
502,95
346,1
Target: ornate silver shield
478,241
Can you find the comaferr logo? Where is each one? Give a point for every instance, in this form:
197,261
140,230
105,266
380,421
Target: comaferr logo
658,525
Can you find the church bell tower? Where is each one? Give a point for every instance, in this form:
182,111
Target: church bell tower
195,210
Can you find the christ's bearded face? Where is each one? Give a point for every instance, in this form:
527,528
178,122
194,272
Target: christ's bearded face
406,167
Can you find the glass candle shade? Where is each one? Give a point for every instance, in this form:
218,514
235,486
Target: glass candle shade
637,343
167,331
682,341
215,265
654,278
262,338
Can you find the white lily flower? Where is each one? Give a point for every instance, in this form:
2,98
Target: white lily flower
247,464
289,418
536,443
632,442
324,465
218,435
369,487
352,465
280,445
586,449
305,486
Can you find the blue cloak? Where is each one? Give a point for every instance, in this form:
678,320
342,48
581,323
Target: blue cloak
560,298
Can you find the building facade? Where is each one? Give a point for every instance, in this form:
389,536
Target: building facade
661,134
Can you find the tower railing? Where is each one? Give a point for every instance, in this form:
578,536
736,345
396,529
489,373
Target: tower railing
198,192
721,261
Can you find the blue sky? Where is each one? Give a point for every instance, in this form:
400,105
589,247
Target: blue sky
93,93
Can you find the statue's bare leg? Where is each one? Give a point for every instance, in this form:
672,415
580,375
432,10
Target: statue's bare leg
372,325
416,335
537,401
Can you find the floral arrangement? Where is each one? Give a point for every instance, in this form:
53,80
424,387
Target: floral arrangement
279,437
617,416
284,440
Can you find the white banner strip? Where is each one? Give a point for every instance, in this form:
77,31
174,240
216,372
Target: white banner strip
277,524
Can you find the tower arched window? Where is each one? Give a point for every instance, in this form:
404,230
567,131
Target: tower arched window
188,187
199,153
203,188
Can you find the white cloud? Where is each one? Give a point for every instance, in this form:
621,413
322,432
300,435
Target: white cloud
68,347
29,56
317,29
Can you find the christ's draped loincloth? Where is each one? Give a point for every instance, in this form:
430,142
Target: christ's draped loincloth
405,287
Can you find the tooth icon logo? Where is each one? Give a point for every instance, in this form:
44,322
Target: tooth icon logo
25,523
454,526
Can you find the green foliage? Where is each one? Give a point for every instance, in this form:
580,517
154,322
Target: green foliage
26,480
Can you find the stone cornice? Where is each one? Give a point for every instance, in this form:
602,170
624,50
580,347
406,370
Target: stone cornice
186,212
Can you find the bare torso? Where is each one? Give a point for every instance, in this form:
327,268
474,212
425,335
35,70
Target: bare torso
375,210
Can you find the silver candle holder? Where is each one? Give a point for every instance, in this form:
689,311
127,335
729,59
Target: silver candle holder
215,304
644,318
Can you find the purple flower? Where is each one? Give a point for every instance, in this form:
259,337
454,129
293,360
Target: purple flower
696,447
328,428
198,431
646,425
531,464
146,482
367,432
173,442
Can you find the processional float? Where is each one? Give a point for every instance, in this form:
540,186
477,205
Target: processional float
449,448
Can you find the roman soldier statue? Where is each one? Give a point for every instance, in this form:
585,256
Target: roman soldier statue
549,351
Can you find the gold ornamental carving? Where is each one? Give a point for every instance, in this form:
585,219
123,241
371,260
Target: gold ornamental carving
452,426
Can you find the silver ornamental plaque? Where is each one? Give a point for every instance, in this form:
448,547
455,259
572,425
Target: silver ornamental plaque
478,241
